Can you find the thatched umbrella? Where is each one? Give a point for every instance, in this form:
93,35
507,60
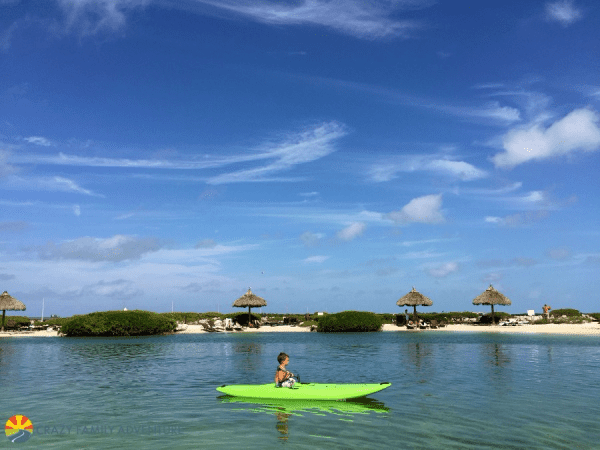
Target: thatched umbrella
250,300
8,303
414,298
491,297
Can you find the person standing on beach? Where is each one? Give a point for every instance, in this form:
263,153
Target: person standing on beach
547,311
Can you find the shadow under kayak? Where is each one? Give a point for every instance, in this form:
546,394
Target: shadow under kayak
362,405
304,391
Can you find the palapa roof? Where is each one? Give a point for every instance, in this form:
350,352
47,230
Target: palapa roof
249,299
414,298
491,297
10,303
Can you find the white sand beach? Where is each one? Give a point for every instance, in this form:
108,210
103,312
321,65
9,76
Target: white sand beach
592,328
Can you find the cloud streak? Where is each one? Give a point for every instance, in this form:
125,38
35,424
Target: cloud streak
389,170
297,149
364,20
51,184
293,149
114,249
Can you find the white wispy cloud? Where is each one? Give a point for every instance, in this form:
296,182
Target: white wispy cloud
5,167
317,259
559,253
119,289
352,231
442,270
563,12
311,239
373,20
116,248
518,219
388,170
206,243
287,151
39,140
426,209
492,112
42,183
91,17
299,148
7,35
426,241
577,131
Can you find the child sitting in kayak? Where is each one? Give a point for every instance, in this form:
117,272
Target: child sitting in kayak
283,377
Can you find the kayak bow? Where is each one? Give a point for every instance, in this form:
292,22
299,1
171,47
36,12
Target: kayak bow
305,391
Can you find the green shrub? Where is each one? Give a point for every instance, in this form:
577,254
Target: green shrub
444,317
595,316
242,318
119,323
14,322
498,316
565,312
349,321
387,317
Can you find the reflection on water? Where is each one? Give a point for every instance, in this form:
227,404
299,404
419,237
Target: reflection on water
285,410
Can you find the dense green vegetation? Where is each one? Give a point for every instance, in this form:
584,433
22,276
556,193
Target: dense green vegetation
119,323
565,312
596,316
498,317
444,317
349,321
14,322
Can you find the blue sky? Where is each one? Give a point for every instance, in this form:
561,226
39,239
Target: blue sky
329,154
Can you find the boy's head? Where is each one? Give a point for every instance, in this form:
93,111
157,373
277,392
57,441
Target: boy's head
282,357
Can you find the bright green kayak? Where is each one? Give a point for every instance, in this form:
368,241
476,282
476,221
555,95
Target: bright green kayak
304,391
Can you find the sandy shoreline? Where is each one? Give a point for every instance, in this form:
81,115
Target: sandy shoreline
592,328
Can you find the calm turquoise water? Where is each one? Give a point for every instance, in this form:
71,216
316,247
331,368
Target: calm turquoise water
449,391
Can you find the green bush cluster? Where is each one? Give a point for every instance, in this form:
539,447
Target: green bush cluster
565,312
13,322
119,323
349,321
444,317
498,316
596,316
242,318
